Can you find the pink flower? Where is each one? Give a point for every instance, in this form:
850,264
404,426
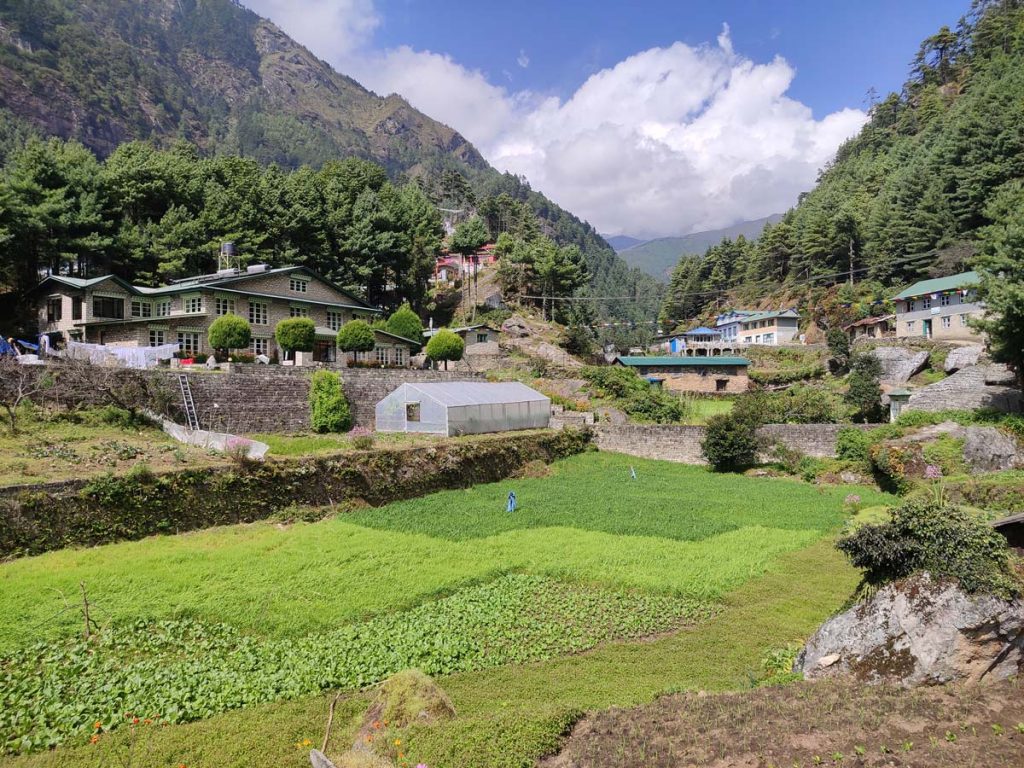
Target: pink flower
932,472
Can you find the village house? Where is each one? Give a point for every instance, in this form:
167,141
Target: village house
109,310
724,375
471,334
871,328
939,308
729,323
769,328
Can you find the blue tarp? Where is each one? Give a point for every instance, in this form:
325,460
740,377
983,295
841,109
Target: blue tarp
28,345
6,349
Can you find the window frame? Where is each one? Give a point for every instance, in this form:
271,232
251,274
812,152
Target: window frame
157,332
54,309
298,284
100,304
197,348
225,303
259,312
187,304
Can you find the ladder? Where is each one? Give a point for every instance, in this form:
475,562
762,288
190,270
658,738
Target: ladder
191,419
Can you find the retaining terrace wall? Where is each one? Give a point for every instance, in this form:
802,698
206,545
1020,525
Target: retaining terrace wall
682,444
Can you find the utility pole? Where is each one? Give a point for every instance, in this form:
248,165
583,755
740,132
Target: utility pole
851,262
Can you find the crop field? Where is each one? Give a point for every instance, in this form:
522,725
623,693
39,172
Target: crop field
261,618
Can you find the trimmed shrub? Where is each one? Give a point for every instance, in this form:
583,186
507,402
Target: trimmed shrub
356,336
729,443
853,444
445,345
328,408
945,540
295,334
406,323
229,332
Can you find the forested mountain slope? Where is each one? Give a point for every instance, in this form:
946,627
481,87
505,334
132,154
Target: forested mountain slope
910,196
219,77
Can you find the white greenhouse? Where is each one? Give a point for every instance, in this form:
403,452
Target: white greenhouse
462,408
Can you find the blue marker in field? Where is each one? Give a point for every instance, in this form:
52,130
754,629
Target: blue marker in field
632,473
511,502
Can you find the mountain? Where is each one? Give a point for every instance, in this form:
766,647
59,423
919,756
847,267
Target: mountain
622,242
212,73
657,257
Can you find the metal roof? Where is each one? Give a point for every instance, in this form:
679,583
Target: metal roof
703,331
940,284
768,315
681,362
457,393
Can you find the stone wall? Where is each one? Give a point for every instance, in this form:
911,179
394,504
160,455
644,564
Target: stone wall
682,444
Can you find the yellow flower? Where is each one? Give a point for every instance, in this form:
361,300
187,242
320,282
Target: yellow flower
398,742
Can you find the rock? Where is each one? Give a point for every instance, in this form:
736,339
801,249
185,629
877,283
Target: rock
920,632
899,364
962,357
978,386
515,327
987,449
404,699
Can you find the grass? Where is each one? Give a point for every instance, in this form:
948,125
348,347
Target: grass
310,444
703,408
86,444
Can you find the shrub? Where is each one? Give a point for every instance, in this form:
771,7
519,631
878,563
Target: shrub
853,444
406,323
839,348
295,334
635,395
445,345
946,541
229,332
328,408
799,404
356,336
362,438
729,443
864,393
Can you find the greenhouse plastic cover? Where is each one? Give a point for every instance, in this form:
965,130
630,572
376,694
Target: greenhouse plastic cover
463,407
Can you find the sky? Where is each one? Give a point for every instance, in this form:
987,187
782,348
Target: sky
650,119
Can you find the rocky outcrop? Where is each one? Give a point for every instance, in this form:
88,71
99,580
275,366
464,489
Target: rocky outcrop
962,357
899,364
979,386
920,632
987,449
515,327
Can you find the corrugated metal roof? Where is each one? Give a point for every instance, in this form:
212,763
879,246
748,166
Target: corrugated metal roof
455,393
939,284
769,315
703,331
695,362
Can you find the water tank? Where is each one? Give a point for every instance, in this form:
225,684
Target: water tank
254,268
227,250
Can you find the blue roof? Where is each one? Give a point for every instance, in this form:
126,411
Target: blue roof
702,331
680,362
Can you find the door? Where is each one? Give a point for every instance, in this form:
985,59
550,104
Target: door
926,328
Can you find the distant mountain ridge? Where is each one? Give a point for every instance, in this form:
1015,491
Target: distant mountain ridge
622,242
658,257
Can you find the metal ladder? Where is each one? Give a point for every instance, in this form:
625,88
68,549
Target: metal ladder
186,398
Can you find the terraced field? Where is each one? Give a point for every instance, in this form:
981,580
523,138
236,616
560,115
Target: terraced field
527,618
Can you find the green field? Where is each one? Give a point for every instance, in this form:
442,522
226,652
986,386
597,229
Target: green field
428,582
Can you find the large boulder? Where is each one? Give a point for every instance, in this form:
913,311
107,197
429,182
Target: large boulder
515,327
899,364
977,386
962,357
920,632
988,449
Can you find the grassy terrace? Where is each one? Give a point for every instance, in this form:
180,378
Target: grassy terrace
730,566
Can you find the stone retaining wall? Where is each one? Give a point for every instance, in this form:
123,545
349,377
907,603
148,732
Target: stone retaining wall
682,444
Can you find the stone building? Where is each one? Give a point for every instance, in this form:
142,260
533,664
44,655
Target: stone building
109,310
939,308
692,374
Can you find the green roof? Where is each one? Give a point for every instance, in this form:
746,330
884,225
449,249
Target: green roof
769,315
939,284
681,362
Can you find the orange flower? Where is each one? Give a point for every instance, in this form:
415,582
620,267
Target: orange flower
94,739
135,721
400,755
369,737
376,724
97,725
147,721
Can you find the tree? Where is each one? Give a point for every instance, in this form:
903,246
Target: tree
1001,269
469,236
295,334
445,345
730,443
18,384
406,323
328,408
864,392
229,332
839,348
356,336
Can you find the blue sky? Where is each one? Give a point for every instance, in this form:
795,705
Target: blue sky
650,118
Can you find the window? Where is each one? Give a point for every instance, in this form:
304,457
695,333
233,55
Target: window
163,308
382,355
412,411
298,311
76,307
910,326
947,322
945,300
103,306
224,306
721,385
335,320
963,321
297,284
926,303
157,338
257,313
192,305
53,309
911,306
481,338
141,308
259,346
188,341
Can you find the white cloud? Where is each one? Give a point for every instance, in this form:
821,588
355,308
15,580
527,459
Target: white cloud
522,59
668,141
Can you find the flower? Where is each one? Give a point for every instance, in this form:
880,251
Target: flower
932,472
147,721
306,743
398,742
421,765
852,499
376,724
135,721
95,739
97,725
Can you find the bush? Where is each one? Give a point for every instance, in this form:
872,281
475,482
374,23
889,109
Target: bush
946,541
799,404
229,332
853,444
295,334
445,345
839,348
328,408
635,395
406,323
729,443
864,393
356,336
362,438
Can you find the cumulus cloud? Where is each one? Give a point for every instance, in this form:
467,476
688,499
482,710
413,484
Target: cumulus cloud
332,29
522,59
668,141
